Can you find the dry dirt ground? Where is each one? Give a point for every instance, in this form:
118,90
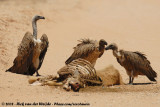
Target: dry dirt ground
133,24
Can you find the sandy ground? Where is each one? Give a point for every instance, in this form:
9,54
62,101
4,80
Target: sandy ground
132,24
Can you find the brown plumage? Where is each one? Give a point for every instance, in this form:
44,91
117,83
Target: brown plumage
135,63
31,52
44,47
89,50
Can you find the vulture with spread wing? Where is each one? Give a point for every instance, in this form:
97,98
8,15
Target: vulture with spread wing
89,50
31,52
135,63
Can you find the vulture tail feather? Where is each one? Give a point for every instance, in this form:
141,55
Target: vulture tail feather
152,75
9,70
69,60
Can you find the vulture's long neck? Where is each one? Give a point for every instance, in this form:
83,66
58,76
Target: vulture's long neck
34,25
101,47
116,53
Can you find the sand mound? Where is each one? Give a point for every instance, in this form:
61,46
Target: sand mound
110,76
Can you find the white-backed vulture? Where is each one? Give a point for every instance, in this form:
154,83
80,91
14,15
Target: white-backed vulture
89,50
135,63
31,52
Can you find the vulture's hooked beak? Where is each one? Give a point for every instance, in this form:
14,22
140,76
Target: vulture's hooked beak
106,43
37,17
103,42
41,17
108,47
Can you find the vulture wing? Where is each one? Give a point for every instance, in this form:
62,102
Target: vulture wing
138,62
44,47
23,62
83,49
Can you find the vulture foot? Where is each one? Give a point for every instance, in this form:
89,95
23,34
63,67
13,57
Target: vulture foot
37,74
130,84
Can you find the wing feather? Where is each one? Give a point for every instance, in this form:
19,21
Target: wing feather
138,62
23,62
44,47
82,50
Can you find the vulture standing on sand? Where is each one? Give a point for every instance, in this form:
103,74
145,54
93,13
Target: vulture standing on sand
89,50
135,63
31,52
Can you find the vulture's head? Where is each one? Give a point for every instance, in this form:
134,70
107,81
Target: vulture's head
112,46
102,44
37,17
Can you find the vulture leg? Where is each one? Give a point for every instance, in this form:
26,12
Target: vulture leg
37,74
130,79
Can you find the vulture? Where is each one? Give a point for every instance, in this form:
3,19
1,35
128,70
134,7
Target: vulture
31,52
135,63
89,50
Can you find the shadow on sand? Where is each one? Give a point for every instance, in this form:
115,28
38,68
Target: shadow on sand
143,83
136,87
